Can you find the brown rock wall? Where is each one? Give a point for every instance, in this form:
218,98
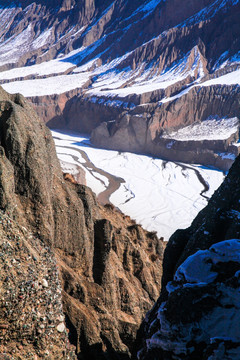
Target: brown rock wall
138,131
110,267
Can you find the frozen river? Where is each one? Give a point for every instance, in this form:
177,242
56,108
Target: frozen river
163,196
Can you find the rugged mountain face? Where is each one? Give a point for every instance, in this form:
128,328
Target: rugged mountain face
197,314
100,20
40,29
93,62
150,130
109,267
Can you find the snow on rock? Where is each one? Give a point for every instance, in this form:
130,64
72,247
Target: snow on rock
13,48
42,39
39,87
202,314
231,78
197,268
107,79
46,68
212,129
227,156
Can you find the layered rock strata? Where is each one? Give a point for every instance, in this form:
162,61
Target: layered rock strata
140,130
160,75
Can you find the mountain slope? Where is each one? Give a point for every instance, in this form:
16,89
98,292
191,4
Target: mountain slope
104,259
93,62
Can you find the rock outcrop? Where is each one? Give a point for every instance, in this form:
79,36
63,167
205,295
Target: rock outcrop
140,130
110,268
42,29
197,314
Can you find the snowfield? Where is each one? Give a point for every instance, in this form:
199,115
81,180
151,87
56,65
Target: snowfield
109,81
213,129
162,196
227,79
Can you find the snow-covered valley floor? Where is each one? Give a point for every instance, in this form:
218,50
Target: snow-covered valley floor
162,196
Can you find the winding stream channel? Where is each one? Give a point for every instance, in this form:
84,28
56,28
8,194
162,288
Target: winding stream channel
114,182
161,195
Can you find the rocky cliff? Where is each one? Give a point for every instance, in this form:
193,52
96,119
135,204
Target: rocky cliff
197,314
41,29
109,267
89,62
142,128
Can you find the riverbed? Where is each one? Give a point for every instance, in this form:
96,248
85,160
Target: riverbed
161,195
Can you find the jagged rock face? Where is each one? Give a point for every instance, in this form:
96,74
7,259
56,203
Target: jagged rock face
212,39
197,314
138,131
32,180
105,259
106,312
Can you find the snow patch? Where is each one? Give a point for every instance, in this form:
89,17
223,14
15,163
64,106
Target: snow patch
13,48
218,324
197,268
232,78
40,87
213,129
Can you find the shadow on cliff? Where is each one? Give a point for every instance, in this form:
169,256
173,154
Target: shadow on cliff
93,352
81,115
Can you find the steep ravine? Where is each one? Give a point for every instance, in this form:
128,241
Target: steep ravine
109,267
84,63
